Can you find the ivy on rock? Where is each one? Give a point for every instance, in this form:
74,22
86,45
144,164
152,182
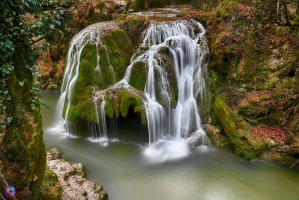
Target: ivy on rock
22,151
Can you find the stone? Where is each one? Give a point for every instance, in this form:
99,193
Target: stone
73,180
197,138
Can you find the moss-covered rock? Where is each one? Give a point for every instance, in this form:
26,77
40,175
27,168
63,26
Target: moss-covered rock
120,51
138,75
51,187
235,129
168,67
22,152
82,106
121,102
107,72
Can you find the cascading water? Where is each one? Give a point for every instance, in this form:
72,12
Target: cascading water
188,53
91,34
103,118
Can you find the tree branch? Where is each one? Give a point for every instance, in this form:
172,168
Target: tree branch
287,13
294,164
37,39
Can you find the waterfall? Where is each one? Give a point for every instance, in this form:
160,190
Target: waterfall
97,115
187,51
103,118
90,34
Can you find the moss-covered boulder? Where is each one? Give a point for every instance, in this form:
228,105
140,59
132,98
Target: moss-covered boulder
72,178
235,128
81,105
114,56
138,75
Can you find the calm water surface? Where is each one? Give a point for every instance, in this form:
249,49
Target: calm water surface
204,174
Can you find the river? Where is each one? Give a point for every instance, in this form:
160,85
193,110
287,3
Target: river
205,173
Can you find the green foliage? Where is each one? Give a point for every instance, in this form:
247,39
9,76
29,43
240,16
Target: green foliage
14,29
19,103
138,75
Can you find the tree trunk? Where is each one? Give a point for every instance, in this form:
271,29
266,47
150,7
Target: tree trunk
3,184
22,152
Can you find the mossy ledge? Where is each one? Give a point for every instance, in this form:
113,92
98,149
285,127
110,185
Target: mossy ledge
236,131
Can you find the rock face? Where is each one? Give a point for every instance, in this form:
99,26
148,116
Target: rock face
253,77
73,180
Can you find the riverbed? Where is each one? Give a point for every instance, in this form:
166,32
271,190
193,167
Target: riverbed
126,171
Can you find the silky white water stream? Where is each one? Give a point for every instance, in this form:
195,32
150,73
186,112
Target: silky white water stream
188,51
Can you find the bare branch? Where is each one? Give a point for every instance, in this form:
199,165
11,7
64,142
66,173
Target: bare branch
37,39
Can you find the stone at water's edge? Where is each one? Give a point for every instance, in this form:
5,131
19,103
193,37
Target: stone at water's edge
73,180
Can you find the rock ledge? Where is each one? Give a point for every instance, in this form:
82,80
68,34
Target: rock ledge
73,180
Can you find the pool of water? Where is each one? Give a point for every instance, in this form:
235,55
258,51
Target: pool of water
129,170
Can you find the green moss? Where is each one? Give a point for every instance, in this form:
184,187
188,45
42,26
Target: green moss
86,75
236,130
130,100
120,51
125,100
107,72
82,106
109,106
138,75
50,187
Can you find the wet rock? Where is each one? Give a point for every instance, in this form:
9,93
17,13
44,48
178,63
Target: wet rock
197,138
214,133
73,180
